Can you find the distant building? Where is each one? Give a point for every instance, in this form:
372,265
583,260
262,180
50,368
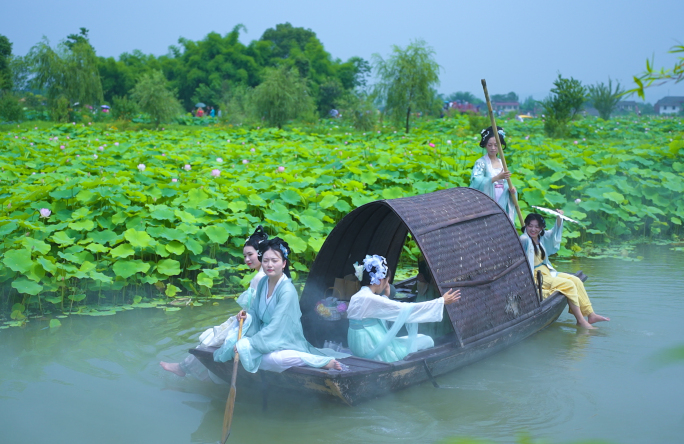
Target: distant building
669,105
506,107
461,106
627,106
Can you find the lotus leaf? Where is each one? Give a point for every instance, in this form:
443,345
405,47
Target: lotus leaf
123,250
18,260
175,247
216,234
169,267
62,238
26,286
138,239
126,269
35,245
171,290
86,224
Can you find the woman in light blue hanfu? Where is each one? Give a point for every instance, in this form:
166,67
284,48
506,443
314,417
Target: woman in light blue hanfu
273,337
216,335
488,175
370,309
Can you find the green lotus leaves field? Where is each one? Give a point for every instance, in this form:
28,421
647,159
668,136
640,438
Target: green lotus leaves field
96,220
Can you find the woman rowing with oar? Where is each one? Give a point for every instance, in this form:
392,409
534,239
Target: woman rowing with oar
216,335
489,175
539,244
273,336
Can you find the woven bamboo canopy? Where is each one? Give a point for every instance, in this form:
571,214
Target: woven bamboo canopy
468,243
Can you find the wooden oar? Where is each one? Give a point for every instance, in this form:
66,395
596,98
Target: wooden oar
230,403
501,153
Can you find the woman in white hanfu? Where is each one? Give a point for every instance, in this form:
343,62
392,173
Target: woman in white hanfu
488,175
273,336
370,309
215,336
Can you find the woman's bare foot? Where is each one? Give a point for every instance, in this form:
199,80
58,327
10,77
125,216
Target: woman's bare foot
584,324
594,318
172,367
333,365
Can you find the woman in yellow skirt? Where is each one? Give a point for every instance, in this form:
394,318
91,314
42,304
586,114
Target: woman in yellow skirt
539,244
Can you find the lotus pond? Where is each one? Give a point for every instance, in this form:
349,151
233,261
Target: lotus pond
95,220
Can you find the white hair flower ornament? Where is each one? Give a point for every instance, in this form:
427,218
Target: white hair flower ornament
376,266
358,271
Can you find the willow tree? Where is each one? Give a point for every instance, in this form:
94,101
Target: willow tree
155,97
281,96
68,72
406,80
604,98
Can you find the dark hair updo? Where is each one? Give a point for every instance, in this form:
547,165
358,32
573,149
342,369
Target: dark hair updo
256,238
488,133
542,224
279,246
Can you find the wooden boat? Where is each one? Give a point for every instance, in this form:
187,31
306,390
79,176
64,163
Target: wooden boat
468,243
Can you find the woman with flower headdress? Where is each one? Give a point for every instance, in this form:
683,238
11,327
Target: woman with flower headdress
488,174
273,338
538,244
216,335
369,310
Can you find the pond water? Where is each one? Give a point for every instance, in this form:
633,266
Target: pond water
98,379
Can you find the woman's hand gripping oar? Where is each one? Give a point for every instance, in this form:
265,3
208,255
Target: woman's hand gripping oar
514,198
230,402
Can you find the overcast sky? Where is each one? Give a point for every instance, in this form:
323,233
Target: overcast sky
517,46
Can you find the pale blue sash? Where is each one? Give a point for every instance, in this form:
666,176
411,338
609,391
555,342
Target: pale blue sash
392,332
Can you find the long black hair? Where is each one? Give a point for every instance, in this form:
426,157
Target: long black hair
256,238
488,133
542,224
279,246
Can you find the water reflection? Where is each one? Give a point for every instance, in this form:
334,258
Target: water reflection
98,379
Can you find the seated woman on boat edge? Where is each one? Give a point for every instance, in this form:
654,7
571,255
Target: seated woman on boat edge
273,338
538,245
215,336
369,310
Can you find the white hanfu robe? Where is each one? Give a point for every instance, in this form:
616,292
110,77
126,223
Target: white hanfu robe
273,335
216,336
368,335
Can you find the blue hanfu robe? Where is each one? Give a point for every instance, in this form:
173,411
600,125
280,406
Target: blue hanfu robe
246,298
369,336
481,180
273,325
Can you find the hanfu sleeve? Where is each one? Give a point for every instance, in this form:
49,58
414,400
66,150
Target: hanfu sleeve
551,241
283,327
479,179
378,307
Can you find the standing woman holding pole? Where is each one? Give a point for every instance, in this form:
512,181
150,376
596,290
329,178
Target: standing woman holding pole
489,175
494,131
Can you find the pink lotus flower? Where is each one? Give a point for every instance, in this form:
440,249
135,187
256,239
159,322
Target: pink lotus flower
252,150
61,147
575,142
448,142
527,137
163,154
216,173
94,156
245,161
432,145
228,141
78,155
219,160
578,201
44,212
141,167
174,180
187,167
116,143
281,169
100,148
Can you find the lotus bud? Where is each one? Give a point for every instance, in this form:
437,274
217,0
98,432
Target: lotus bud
578,201
94,156
174,180
216,173
101,148
44,212
116,143
281,169
187,167
62,147
448,142
219,160
245,161
141,167
252,150
432,145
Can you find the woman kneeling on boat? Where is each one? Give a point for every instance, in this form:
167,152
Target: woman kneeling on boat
369,310
539,244
273,338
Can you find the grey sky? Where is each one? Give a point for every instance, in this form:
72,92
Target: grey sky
516,45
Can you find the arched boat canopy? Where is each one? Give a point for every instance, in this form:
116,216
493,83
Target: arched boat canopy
468,242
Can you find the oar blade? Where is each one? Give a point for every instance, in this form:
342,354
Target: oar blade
228,417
